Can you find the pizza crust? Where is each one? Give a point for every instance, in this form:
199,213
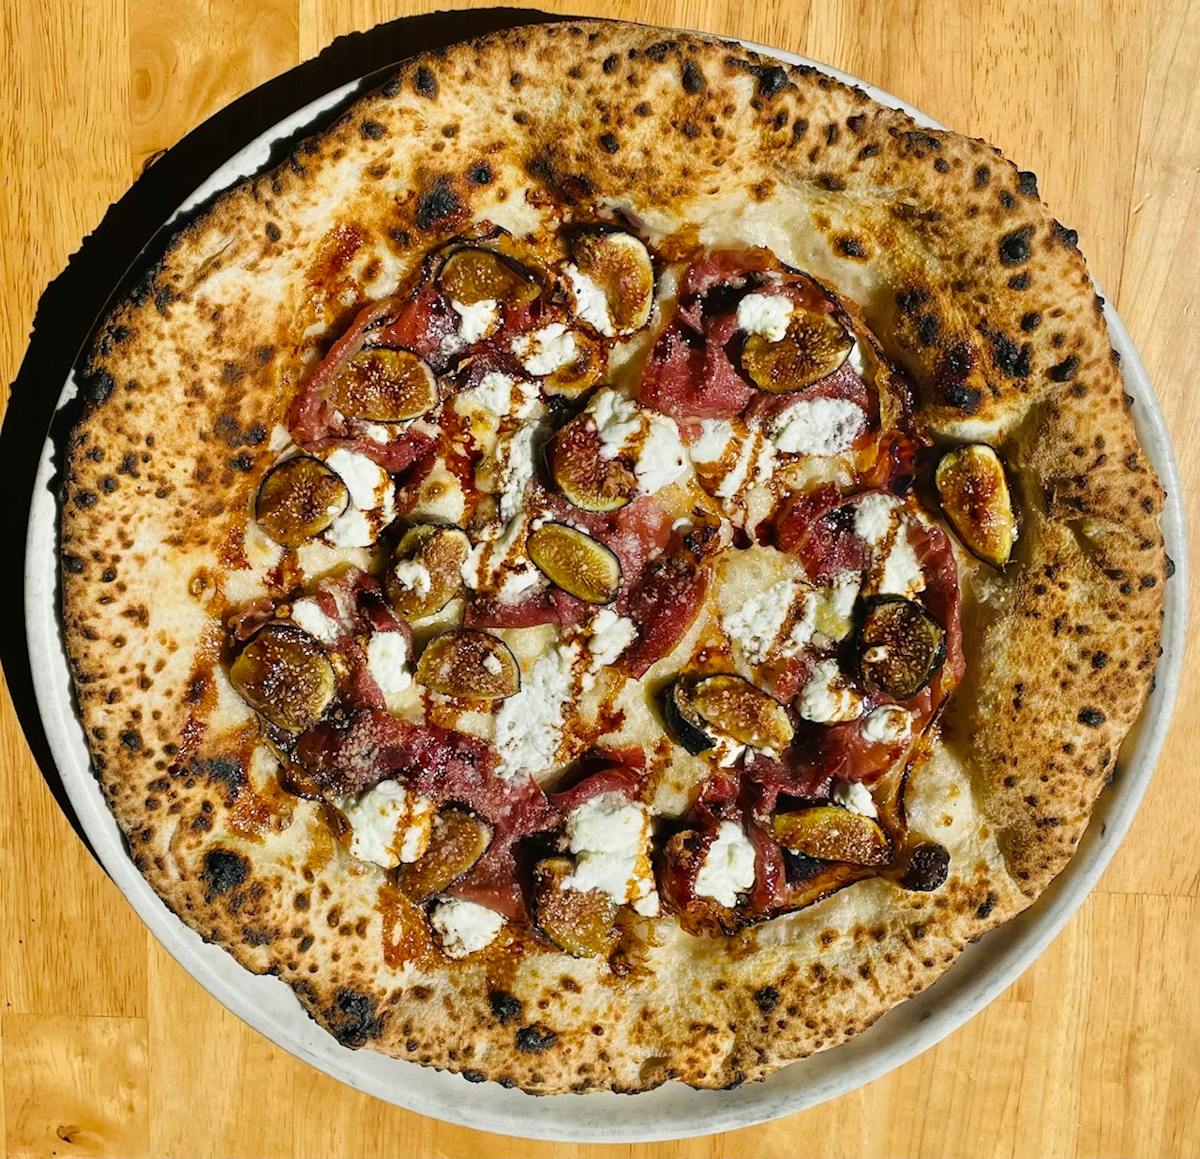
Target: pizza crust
972,287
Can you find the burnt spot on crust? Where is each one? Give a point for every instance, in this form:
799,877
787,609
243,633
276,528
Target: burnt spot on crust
910,300
132,740
74,564
851,247
1065,370
571,187
1031,321
481,174
439,206
98,387
353,1019
1019,281
982,176
610,62
609,143
425,83
693,78
1011,359
928,867
1014,247
372,130
1092,717
985,907
1068,237
535,1038
766,999
504,1006
1027,182
223,870
273,232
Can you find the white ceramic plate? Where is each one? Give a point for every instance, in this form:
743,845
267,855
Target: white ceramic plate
672,1111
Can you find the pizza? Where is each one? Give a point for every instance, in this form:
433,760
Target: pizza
612,564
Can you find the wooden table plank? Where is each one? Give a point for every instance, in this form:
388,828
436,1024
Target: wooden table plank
107,1047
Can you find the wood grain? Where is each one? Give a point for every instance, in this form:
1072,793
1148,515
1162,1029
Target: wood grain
108,1048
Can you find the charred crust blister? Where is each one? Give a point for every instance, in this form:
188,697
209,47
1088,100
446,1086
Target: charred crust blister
223,871
353,1018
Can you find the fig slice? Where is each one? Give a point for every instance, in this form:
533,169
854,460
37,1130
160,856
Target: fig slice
612,282
298,499
683,720
385,385
831,833
426,569
973,491
580,923
737,709
587,479
475,274
815,345
899,646
459,839
469,665
284,675
572,560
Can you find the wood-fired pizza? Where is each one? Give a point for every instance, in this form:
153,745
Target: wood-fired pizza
612,564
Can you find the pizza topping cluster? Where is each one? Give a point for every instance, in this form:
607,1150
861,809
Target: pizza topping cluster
594,492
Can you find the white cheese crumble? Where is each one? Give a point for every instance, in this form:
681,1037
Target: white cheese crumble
377,433
307,614
728,867
873,517
544,351
388,824
492,395
888,724
463,927
372,499
662,458
855,358
413,575
476,320
764,314
827,698
901,570
818,426
756,624
387,653
591,303
715,436
367,482
855,797
617,419
517,471
610,636
610,839
492,664
528,726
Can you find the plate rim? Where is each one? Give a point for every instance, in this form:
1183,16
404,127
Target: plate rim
919,1023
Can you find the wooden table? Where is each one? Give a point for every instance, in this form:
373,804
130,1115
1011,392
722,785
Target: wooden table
108,1047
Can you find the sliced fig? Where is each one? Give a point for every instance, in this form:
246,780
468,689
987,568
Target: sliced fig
831,833
384,385
298,499
587,479
426,569
735,708
815,345
614,283
284,675
899,646
477,275
973,490
459,839
683,720
580,923
469,665
574,561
